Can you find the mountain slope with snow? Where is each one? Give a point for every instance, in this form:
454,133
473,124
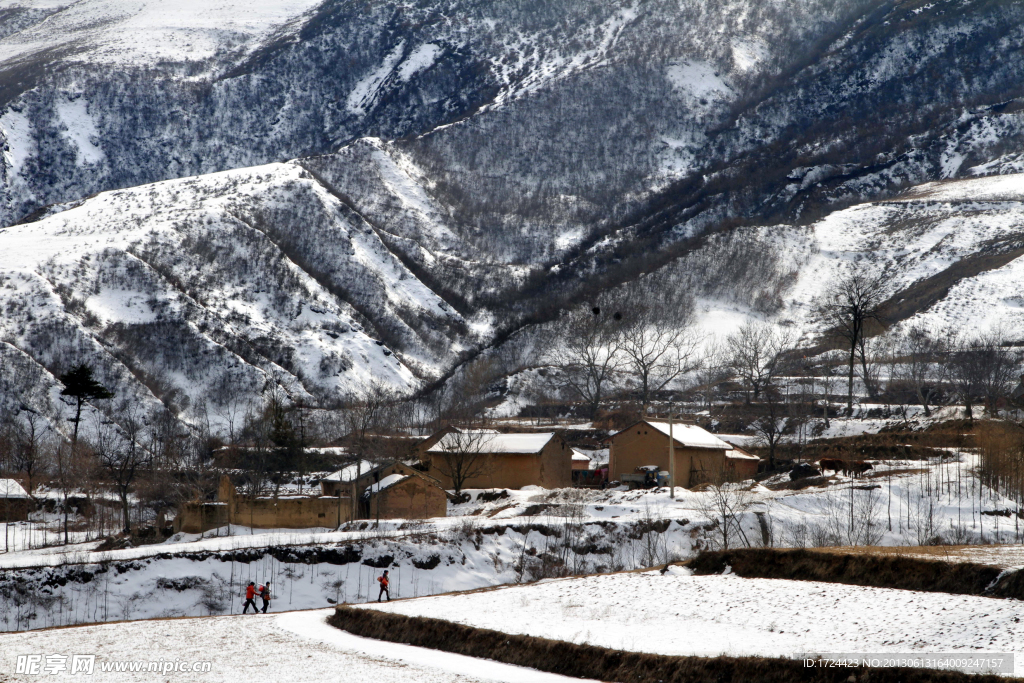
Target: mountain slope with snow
951,254
200,293
468,167
204,291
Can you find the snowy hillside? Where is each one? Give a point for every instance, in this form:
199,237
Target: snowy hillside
199,291
952,254
457,179
203,291
540,125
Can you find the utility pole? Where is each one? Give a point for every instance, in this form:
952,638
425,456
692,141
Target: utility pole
671,457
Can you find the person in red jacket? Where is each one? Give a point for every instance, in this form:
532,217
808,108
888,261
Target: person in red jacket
384,583
265,596
250,598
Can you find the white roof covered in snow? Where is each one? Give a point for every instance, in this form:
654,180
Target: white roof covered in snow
577,455
737,454
9,488
692,436
489,442
386,482
349,472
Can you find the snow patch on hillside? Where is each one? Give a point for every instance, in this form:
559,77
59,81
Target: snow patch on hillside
81,130
363,94
698,80
423,57
21,146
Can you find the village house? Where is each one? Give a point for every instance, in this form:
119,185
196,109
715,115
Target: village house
404,496
494,460
15,503
700,455
408,493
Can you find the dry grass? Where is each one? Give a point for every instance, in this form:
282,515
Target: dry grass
874,567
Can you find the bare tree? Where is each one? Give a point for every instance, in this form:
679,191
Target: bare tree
363,418
755,354
711,370
658,347
589,355
771,426
724,505
29,430
850,305
121,454
463,455
72,464
981,369
917,356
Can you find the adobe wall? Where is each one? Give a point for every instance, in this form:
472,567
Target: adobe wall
556,465
551,468
195,518
412,498
629,450
291,513
299,512
738,469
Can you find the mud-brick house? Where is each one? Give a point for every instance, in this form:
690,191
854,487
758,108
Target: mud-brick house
740,464
263,512
700,455
407,494
508,461
404,494
15,503
360,472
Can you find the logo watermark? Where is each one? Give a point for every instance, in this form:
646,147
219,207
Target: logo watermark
972,662
86,665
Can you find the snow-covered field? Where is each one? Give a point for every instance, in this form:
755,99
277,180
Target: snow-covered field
680,614
298,646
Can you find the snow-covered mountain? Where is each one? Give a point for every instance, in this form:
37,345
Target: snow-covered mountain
951,252
315,185
204,289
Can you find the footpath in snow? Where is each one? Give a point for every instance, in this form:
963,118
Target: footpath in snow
680,614
297,646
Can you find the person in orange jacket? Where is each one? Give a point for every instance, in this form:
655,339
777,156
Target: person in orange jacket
384,583
250,598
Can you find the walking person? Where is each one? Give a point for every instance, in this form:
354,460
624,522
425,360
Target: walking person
250,598
265,596
384,583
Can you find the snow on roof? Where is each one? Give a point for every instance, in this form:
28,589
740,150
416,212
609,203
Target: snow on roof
384,483
9,488
739,454
738,440
692,436
577,455
489,442
349,472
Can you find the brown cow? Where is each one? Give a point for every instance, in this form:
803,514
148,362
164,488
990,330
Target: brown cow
834,464
857,467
